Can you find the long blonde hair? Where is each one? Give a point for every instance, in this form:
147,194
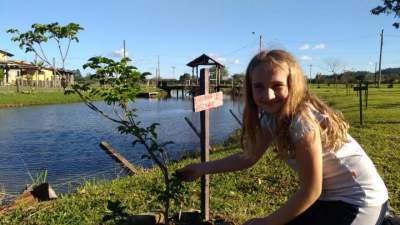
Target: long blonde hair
299,101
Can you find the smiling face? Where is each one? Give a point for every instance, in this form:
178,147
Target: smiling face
269,88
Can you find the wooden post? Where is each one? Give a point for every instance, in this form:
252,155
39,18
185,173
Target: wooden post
202,104
360,103
197,74
236,118
204,143
366,95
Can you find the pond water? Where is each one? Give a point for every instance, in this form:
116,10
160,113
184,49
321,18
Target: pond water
64,140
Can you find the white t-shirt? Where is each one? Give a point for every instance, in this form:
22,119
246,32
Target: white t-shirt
348,174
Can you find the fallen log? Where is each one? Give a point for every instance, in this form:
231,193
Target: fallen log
118,157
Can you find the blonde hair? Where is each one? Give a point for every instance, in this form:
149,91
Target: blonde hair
299,102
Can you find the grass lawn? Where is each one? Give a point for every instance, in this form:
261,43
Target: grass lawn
38,98
240,195
10,98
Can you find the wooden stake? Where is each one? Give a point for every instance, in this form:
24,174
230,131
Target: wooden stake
236,118
193,127
360,103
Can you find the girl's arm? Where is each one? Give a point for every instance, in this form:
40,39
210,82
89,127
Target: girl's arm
308,153
238,161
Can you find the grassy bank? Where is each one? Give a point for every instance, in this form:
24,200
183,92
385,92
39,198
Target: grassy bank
240,195
37,98
10,98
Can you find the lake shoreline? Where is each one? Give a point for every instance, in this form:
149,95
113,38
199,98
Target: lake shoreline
227,145
18,100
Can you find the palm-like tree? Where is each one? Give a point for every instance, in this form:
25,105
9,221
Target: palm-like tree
143,76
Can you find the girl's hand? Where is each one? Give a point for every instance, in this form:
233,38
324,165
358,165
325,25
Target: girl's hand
190,172
256,221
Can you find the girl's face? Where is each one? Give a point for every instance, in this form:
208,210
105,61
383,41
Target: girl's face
269,88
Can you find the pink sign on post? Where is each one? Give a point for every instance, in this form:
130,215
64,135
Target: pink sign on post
208,101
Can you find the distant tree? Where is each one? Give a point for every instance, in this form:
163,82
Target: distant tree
389,7
334,65
185,77
238,78
143,76
391,70
347,77
223,71
78,76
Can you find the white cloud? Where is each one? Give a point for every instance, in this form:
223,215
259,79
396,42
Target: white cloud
221,59
305,58
319,46
304,47
119,53
231,62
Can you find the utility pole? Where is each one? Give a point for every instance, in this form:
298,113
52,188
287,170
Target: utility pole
173,71
375,81
158,70
260,41
380,61
310,74
124,49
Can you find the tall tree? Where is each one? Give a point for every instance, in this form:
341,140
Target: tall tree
143,76
238,78
334,65
389,7
33,40
119,85
223,71
184,77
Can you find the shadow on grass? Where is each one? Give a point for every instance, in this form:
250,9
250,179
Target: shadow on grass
386,106
117,213
384,122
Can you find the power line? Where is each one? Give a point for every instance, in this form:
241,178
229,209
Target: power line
252,44
326,41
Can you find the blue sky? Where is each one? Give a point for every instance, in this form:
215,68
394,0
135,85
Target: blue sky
177,31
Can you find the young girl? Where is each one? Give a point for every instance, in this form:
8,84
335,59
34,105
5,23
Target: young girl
338,183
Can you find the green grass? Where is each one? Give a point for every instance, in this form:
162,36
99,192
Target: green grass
240,195
10,98
38,98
